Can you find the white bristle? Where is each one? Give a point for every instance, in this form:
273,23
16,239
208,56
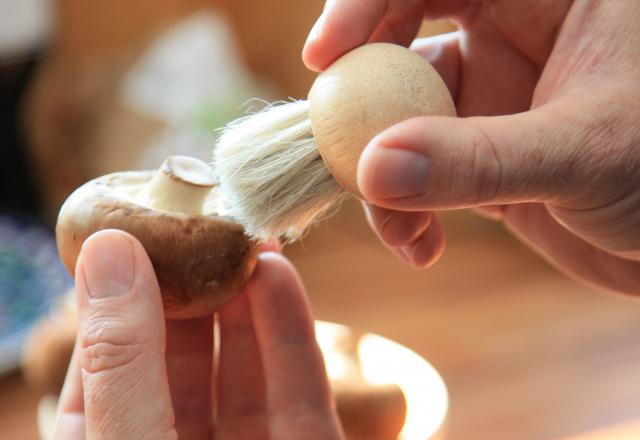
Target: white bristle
271,173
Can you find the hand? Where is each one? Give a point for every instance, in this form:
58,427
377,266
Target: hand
550,95
135,376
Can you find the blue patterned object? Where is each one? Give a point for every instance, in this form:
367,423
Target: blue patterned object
32,278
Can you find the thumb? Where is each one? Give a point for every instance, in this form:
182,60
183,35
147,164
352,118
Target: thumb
448,163
121,341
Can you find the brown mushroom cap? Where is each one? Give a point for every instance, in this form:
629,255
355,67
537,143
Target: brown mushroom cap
201,260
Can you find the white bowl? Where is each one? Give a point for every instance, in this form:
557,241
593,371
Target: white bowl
383,361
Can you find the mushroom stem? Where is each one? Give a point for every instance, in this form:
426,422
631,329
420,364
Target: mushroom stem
181,184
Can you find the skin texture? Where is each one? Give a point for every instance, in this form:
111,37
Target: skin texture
135,375
549,95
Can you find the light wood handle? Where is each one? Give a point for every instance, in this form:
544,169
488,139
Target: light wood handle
365,92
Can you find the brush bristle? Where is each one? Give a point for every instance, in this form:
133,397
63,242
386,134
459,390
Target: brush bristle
271,173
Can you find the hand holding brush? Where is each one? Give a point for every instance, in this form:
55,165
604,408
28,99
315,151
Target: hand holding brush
547,93
283,168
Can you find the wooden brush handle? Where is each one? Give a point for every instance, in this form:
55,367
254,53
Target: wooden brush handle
365,92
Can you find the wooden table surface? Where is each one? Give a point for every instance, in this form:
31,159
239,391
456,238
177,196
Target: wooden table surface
526,353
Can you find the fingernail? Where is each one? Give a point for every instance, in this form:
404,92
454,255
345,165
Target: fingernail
314,33
378,216
395,173
108,265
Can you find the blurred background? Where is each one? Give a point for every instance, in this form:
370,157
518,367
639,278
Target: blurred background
90,87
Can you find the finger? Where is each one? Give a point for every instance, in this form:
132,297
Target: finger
347,24
397,228
443,53
534,225
189,360
416,238
271,246
490,212
427,248
70,426
241,389
449,163
459,10
121,340
70,422
71,397
298,394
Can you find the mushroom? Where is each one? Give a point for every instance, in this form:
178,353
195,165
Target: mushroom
202,258
370,411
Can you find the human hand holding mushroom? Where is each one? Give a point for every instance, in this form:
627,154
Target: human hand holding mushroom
202,258
135,375
154,257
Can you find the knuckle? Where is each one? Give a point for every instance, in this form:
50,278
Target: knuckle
602,163
485,168
403,228
110,342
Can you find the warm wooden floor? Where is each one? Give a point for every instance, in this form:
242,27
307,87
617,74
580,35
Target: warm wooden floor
526,353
